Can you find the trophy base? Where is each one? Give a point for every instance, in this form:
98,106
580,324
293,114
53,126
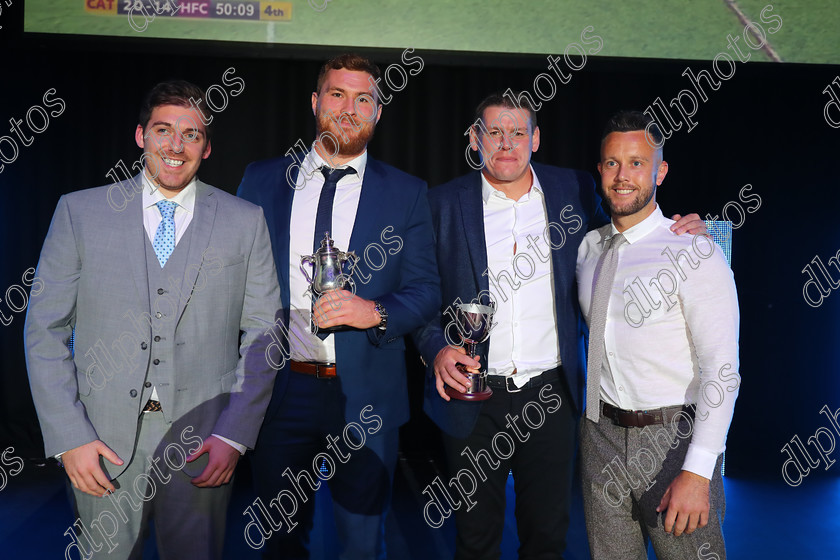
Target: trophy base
477,397
330,330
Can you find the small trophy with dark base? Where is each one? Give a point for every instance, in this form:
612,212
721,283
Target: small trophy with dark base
474,325
328,271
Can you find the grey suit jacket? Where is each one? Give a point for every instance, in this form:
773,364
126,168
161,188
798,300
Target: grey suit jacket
93,266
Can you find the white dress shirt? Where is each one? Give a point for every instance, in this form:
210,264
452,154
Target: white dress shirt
524,341
666,350
304,345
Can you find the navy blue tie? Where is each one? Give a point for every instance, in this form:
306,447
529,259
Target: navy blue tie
323,217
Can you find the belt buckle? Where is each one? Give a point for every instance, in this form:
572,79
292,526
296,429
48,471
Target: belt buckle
318,374
509,383
640,418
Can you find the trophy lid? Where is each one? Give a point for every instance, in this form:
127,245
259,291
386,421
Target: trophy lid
327,244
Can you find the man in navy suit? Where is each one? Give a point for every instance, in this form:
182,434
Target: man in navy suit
510,233
340,400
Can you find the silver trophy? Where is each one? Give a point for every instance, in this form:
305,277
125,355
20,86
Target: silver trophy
474,325
327,264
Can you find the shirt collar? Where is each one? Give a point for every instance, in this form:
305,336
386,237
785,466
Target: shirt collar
313,162
641,229
185,197
488,190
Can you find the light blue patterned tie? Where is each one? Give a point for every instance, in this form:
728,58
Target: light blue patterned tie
165,235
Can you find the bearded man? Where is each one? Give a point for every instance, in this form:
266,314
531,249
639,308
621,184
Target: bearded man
339,399
647,409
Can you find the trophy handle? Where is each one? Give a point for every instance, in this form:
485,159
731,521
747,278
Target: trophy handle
345,280
351,259
310,260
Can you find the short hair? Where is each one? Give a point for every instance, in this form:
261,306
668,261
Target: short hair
500,100
348,61
173,92
632,121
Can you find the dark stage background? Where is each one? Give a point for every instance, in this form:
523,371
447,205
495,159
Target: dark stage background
764,127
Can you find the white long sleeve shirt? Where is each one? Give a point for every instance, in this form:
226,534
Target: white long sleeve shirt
671,334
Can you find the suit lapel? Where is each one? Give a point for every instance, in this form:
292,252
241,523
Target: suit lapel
136,244
472,223
201,226
371,197
554,204
282,209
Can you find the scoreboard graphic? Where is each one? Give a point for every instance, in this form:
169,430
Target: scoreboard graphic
201,9
703,32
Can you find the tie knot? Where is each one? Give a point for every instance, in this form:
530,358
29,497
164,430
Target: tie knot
334,175
615,241
167,208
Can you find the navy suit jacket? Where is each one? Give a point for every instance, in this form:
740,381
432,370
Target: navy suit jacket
392,219
458,215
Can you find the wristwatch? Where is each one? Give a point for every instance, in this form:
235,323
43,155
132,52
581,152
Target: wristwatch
383,314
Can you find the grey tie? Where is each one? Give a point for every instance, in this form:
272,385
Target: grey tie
603,282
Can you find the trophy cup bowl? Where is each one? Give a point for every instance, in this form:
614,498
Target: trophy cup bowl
327,264
475,322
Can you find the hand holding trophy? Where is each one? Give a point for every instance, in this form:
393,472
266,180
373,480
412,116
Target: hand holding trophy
328,271
474,322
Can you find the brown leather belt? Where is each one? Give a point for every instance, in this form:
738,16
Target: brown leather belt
642,418
321,371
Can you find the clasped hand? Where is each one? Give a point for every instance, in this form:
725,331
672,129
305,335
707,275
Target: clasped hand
342,307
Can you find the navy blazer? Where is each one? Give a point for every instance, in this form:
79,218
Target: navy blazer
393,224
573,207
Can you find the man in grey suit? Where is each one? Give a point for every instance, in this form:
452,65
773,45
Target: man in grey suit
167,286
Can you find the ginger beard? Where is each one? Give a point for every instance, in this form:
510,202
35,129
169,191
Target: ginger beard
352,139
